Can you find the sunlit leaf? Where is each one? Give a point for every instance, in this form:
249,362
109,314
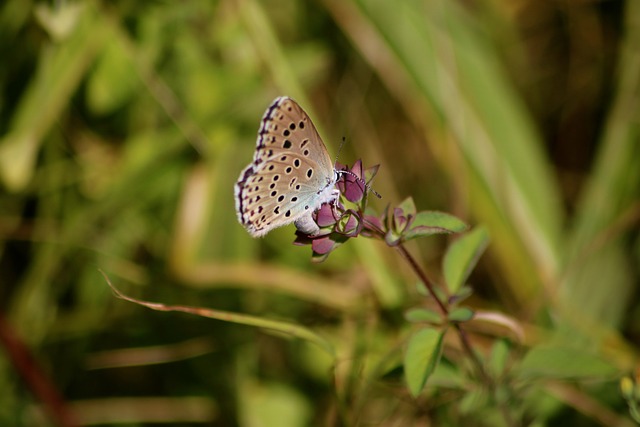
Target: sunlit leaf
284,328
498,357
462,314
422,315
462,256
426,223
422,356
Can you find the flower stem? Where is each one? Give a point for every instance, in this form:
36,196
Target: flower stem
423,277
464,339
481,372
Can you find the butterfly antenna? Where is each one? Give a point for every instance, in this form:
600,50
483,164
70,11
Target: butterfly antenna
366,186
344,141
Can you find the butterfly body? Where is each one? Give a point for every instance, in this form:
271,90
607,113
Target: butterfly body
290,176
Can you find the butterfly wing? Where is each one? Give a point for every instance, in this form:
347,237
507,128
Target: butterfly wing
291,174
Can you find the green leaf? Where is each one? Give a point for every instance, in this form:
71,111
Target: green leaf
421,358
462,314
426,223
403,215
563,363
422,315
498,357
462,256
285,328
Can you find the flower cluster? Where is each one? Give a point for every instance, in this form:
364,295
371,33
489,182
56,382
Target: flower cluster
339,223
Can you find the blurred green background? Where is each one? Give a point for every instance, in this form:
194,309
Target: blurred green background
124,125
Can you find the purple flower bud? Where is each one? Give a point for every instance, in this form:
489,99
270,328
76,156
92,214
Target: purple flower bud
351,183
338,224
327,215
322,245
400,220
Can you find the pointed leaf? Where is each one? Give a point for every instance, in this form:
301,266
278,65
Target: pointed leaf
426,223
371,172
421,358
400,220
422,315
439,220
498,357
462,314
408,207
462,256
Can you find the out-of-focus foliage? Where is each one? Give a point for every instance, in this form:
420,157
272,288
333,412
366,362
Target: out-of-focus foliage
124,125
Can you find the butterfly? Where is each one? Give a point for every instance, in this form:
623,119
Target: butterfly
291,174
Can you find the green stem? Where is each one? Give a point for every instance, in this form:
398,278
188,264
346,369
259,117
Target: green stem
464,338
423,277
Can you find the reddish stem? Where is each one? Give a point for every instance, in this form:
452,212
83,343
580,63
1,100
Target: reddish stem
36,380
